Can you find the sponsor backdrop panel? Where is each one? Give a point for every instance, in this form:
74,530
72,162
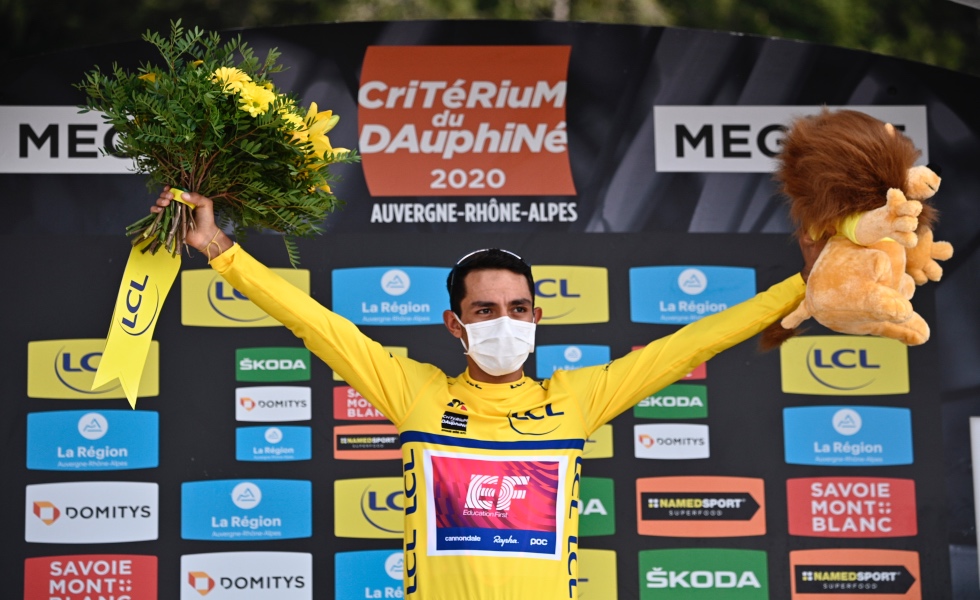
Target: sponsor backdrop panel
744,484
538,163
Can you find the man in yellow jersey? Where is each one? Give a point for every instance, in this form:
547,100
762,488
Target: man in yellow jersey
492,459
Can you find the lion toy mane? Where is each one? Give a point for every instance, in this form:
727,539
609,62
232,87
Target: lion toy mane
853,188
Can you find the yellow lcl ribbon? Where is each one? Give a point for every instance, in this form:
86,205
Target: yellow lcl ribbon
145,284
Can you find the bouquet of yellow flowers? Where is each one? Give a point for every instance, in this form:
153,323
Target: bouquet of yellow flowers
210,120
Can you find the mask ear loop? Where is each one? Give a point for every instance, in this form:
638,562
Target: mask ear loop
463,325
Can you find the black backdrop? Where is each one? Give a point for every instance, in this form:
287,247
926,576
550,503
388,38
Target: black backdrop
60,237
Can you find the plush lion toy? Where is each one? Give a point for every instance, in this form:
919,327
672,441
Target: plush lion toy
854,189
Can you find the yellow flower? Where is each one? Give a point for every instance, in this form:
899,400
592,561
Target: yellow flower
255,99
293,121
151,77
320,123
197,63
230,79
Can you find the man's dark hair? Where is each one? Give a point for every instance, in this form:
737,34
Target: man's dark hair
488,258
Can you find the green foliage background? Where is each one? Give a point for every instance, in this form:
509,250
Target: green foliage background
938,32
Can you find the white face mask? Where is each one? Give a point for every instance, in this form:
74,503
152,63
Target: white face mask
500,346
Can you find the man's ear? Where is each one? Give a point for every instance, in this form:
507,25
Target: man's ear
452,323
537,314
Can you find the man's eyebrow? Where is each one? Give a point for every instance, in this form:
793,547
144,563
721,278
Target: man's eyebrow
486,303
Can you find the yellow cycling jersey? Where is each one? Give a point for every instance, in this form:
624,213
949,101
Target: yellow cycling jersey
492,471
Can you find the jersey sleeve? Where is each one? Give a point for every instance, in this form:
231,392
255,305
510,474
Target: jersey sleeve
389,382
606,391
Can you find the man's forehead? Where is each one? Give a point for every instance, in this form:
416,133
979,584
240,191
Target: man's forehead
493,282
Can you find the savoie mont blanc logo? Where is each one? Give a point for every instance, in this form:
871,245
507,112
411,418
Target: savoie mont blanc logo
350,405
851,507
91,576
390,295
78,440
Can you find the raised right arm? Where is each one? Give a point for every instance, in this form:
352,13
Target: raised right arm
390,383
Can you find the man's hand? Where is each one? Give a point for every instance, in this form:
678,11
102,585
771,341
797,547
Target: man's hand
206,237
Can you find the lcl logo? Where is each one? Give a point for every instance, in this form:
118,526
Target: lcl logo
523,422
131,321
554,288
845,358
844,365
